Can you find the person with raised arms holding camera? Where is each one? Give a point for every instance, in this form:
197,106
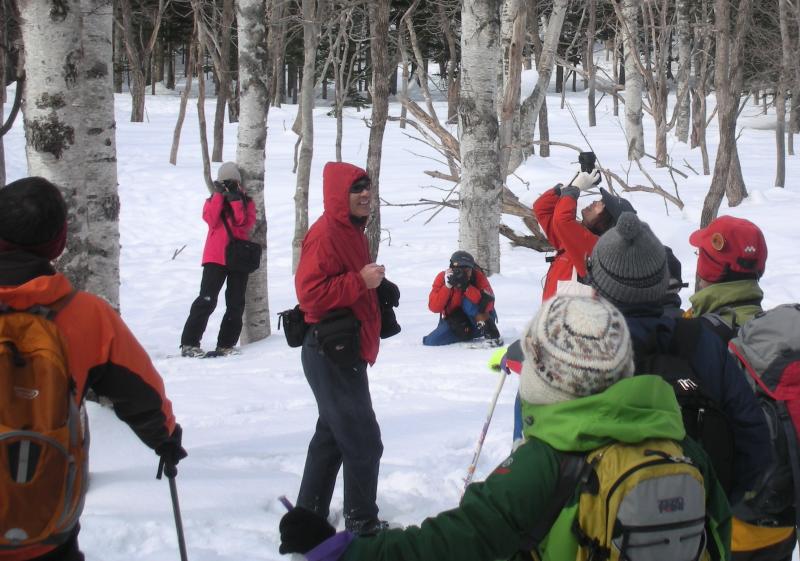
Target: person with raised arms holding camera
464,300
573,240
230,203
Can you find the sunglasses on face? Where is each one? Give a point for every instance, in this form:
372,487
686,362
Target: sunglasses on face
360,186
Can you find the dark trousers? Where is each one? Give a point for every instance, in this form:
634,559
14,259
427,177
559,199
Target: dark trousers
347,434
781,551
231,327
68,551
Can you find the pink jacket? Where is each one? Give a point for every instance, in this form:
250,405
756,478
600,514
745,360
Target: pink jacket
241,224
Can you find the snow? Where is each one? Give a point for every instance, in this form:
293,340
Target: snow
247,419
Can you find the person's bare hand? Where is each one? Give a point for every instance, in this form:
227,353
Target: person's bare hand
372,274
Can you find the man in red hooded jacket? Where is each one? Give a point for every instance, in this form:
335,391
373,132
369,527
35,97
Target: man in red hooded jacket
335,272
102,354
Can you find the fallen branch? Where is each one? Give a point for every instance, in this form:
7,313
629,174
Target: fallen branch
531,242
655,189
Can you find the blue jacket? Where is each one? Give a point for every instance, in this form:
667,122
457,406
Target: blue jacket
720,374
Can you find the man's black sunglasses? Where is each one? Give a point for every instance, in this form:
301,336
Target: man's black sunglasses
360,185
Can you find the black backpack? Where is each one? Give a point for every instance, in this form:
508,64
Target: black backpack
704,420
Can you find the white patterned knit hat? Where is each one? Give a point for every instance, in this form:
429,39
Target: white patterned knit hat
574,347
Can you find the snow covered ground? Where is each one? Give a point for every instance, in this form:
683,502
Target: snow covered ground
247,419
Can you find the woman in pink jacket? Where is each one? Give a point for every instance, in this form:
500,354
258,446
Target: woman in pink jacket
230,203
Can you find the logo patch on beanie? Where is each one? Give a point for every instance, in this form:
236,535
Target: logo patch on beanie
717,241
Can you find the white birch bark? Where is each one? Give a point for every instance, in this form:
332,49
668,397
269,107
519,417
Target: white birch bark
379,89
311,30
513,28
633,80
481,183
533,103
51,33
254,98
97,138
684,65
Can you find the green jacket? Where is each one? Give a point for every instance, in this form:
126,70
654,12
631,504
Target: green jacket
496,516
736,299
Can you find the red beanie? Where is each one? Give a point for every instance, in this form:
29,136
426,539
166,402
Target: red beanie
730,247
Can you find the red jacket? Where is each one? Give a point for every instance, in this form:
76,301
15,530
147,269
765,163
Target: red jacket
101,353
334,252
217,239
443,300
572,241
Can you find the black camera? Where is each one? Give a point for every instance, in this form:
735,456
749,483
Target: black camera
458,277
587,161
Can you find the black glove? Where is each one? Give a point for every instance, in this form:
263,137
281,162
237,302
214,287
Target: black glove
570,191
219,186
171,452
388,294
303,530
232,196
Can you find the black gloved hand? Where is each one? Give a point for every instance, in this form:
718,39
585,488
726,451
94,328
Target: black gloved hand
570,191
219,186
171,452
303,530
388,294
232,196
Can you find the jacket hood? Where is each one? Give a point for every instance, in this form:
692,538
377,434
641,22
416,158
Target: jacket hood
631,410
742,297
19,266
44,289
337,177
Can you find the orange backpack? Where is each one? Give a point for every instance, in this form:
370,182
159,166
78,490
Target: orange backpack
43,443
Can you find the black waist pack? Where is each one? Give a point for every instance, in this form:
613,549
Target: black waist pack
338,337
242,256
460,324
294,326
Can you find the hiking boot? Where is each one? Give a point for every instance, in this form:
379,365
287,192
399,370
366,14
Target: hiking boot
191,351
365,527
227,351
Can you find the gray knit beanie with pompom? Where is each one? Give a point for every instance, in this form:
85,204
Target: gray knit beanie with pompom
628,264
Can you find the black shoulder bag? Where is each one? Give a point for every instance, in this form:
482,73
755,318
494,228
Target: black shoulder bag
338,336
242,256
294,326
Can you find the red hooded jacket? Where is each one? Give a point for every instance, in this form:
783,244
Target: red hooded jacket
244,218
443,300
334,252
572,241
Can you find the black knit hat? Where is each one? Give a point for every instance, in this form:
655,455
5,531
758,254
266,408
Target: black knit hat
628,264
615,205
462,259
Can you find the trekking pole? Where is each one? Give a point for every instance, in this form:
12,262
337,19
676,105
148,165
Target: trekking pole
171,471
482,437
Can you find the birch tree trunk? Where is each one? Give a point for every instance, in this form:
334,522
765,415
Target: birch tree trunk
515,18
381,68
97,137
481,183
452,63
533,103
254,98
224,78
277,42
633,80
684,67
727,179
53,113
311,30
119,50
591,29
786,78
139,53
